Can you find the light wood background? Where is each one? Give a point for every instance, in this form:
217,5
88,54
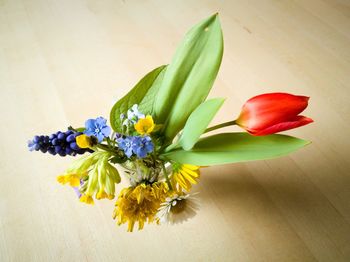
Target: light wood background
62,62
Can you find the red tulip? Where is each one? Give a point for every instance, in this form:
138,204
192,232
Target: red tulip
272,113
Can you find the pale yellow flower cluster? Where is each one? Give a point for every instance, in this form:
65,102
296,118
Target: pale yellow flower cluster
93,175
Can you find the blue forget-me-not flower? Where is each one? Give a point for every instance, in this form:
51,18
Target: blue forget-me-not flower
133,115
98,128
140,146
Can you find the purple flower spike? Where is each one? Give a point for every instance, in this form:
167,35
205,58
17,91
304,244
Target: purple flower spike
59,143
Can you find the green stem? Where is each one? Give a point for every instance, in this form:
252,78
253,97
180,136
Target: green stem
113,141
105,147
166,177
171,146
230,123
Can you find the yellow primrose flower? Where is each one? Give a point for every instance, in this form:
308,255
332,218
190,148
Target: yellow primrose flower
139,204
145,126
84,141
102,178
87,199
77,170
98,176
110,197
81,165
184,175
72,179
101,194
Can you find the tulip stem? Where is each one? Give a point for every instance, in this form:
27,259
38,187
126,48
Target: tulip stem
230,123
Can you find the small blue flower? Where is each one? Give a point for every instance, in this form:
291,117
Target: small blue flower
122,116
98,128
126,145
134,115
141,146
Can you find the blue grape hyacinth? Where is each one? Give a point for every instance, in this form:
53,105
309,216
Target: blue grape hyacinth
61,143
41,143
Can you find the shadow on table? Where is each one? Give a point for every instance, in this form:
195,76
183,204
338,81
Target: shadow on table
234,184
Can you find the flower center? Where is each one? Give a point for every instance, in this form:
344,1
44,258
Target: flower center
179,207
97,130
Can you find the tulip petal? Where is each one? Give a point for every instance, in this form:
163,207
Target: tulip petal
296,122
263,111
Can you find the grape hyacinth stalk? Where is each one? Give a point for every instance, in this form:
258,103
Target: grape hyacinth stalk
61,143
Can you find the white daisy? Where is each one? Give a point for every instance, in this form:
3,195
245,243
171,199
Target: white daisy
178,208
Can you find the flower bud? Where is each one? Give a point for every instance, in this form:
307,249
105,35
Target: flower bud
272,113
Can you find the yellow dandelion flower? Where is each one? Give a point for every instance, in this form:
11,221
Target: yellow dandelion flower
184,175
139,204
87,199
84,141
72,179
145,125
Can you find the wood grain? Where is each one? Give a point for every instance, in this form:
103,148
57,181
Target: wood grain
62,62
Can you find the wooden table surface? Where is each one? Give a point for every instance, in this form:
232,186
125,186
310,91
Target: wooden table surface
62,62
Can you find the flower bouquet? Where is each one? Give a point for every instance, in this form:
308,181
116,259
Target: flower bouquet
159,136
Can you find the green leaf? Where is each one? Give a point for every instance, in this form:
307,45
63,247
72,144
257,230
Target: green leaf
118,160
199,121
147,104
235,147
78,129
148,83
190,76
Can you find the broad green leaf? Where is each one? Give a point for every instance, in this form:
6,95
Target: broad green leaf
147,104
235,147
199,121
136,96
190,76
